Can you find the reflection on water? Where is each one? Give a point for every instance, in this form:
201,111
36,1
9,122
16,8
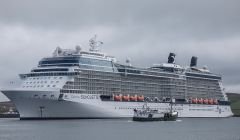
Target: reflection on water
182,129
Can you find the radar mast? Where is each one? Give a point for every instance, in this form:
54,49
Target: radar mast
94,44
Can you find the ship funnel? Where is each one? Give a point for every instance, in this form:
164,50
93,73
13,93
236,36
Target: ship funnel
171,58
193,61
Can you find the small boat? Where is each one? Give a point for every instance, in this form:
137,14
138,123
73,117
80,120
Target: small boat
117,98
133,98
200,101
205,101
140,98
210,101
125,98
147,114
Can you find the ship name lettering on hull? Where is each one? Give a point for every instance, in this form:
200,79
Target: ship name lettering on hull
89,97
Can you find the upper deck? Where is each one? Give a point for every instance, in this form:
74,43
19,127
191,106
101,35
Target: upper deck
63,59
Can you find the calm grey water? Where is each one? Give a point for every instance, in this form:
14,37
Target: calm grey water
183,129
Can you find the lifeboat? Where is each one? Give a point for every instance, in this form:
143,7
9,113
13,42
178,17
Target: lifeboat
215,101
125,98
133,98
210,101
140,98
205,101
200,101
194,101
118,98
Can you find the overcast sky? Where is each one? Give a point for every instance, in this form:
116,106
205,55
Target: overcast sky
143,30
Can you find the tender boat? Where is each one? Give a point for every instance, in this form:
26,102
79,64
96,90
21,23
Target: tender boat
147,114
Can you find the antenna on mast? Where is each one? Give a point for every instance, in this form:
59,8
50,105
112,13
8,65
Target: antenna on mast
94,44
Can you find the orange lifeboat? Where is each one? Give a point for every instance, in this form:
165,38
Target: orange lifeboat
194,101
205,101
215,101
200,101
125,98
133,98
140,98
210,101
118,98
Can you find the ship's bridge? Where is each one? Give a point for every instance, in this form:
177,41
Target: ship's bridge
83,62
92,59
59,61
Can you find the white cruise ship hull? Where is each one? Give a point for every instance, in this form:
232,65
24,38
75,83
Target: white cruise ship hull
46,105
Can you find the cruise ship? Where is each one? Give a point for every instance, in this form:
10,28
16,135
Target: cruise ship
75,84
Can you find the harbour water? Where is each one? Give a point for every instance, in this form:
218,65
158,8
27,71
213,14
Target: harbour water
114,129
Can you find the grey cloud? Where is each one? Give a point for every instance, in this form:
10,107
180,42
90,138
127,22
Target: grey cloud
185,18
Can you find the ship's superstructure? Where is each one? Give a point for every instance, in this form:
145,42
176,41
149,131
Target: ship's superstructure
91,84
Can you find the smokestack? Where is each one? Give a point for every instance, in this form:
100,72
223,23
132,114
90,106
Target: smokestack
171,58
193,61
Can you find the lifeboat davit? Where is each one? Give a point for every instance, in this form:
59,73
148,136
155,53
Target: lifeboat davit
194,101
125,98
200,101
118,98
205,101
133,98
140,98
210,101
215,101
156,99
